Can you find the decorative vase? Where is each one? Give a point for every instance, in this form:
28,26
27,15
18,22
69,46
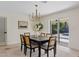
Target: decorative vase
37,34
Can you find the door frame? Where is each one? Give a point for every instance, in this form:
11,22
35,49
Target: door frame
5,30
58,33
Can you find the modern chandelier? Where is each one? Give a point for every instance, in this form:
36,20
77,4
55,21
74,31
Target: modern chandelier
36,16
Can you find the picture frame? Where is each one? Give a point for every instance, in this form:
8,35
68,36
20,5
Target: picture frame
22,24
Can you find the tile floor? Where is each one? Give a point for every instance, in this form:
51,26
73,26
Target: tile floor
14,51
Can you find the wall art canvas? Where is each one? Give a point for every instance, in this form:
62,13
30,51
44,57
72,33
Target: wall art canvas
22,24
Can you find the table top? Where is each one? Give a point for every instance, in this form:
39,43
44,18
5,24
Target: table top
39,38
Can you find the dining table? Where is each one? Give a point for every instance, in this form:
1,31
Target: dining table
40,40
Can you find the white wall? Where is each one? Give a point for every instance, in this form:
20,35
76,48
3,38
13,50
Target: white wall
13,31
12,26
73,16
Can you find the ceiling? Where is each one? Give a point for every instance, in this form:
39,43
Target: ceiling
27,7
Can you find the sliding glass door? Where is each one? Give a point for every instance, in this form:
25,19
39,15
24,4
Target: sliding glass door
60,29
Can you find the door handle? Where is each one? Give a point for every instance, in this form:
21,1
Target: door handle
5,32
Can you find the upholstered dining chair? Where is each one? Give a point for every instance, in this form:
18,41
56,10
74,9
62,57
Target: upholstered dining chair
43,34
22,41
28,44
50,45
27,33
48,35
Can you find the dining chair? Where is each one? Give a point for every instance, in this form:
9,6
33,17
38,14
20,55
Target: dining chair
22,41
48,35
28,44
50,45
27,33
43,34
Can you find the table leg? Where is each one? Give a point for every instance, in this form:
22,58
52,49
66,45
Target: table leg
39,48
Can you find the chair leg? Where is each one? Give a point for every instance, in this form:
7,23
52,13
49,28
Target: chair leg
33,50
25,50
30,52
47,53
21,47
54,52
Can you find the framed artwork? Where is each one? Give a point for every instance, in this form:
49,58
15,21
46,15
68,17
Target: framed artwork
22,24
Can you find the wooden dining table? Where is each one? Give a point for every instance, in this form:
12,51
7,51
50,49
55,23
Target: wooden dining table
40,41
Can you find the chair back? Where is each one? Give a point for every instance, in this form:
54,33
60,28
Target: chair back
52,41
27,34
48,35
27,40
21,38
43,34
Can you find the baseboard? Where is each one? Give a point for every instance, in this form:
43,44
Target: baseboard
2,43
11,43
74,49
